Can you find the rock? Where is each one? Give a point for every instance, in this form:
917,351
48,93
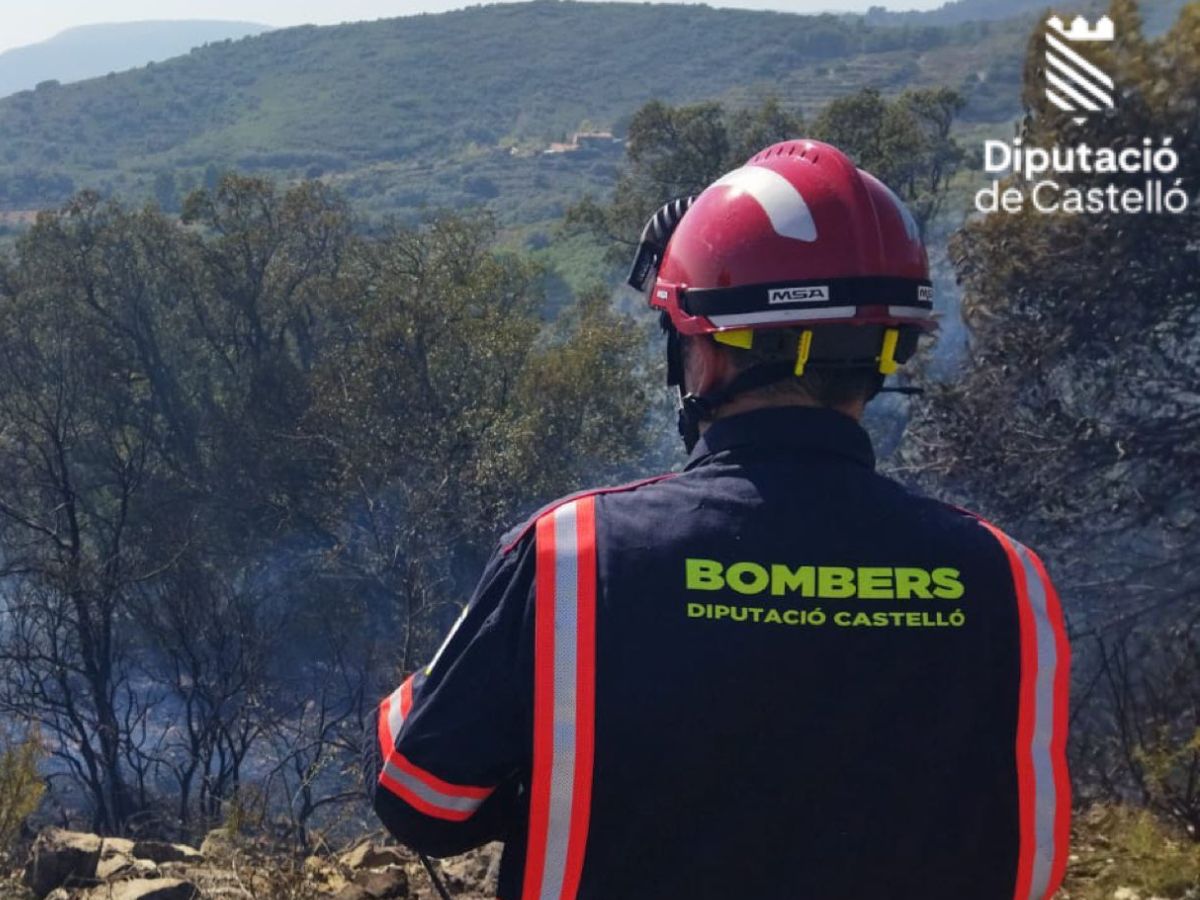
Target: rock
372,856
145,889
1125,893
162,852
59,894
114,845
384,884
112,865
61,857
121,865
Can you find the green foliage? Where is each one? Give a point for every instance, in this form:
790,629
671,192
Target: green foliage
21,786
455,92
672,152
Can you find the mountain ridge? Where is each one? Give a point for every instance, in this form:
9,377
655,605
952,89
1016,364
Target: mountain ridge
90,51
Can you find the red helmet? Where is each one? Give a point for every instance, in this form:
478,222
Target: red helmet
797,237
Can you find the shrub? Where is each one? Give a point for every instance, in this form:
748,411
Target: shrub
21,786
1118,847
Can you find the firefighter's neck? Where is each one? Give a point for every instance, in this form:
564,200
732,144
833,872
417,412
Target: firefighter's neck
708,367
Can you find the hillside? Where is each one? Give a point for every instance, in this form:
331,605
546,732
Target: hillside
453,109
90,51
1158,14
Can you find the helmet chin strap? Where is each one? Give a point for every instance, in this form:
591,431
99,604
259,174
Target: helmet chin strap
696,408
692,409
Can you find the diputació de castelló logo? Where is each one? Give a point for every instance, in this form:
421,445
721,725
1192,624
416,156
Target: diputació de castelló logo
1027,176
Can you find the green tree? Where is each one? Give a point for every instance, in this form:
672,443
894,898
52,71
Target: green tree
672,152
452,408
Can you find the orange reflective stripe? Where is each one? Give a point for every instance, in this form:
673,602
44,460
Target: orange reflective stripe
1058,747
1044,800
564,700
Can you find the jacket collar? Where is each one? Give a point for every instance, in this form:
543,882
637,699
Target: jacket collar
784,429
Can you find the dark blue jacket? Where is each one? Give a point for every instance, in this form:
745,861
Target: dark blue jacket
775,675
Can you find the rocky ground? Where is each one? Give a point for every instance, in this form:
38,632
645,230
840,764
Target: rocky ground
1116,855
65,865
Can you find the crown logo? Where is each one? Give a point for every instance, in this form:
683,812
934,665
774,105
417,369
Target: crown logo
1080,30
1074,83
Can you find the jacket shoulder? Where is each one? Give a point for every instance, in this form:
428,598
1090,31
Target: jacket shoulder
513,538
982,532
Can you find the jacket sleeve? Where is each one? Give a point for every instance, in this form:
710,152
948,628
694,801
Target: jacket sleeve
452,743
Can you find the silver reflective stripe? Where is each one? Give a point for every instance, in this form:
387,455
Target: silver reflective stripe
428,794
395,716
1045,798
910,312
562,769
784,315
462,617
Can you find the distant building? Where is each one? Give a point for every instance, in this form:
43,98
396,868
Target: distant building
585,140
593,138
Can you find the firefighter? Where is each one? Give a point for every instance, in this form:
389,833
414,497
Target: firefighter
775,674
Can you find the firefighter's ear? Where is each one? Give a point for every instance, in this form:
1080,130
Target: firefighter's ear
706,365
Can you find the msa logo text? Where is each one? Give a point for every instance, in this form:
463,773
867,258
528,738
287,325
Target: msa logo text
806,294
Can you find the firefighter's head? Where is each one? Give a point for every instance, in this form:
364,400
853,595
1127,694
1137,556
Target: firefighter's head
797,276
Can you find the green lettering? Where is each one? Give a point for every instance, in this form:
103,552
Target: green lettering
912,583
747,578
785,579
948,585
875,583
704,575
835,581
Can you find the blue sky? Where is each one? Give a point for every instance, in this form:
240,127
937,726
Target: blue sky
23,22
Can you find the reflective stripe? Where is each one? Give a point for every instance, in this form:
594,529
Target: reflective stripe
420,789
564,695
427,792
399,704
1058,741
1044,800
910,312
1043,730
783,315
